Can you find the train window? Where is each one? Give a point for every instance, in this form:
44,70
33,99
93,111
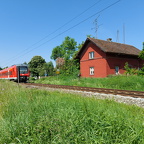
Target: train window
10,73
23,70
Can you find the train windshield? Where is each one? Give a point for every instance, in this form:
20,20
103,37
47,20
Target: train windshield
23,70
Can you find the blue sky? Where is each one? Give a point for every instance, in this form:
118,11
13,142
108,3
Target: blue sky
34,27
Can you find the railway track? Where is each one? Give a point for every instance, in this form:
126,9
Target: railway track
135,94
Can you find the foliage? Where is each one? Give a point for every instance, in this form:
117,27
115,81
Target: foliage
50,68
69,47
38,116
133,71
66,50
141,71
141,55
0,68
129,70
47,69
57,52
70,67
25,63
36,65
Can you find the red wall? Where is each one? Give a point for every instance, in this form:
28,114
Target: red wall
103,63
99,62
120,62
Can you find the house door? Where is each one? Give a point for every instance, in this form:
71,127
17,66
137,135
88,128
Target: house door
116,70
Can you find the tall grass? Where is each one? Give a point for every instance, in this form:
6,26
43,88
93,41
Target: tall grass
116,82
38,116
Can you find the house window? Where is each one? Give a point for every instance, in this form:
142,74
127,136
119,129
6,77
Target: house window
91,70
91,55
116,70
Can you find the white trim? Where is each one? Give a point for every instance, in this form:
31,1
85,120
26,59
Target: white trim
9,78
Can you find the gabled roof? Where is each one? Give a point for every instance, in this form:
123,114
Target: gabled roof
111,47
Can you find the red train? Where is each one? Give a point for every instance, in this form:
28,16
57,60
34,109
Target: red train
18,73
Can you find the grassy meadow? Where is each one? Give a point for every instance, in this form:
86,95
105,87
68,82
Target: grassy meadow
32,116
133,82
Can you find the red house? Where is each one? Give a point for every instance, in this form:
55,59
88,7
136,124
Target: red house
99,58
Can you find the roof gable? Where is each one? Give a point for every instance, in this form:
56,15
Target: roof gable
111,47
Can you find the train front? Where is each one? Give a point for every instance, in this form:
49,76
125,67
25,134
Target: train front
24,73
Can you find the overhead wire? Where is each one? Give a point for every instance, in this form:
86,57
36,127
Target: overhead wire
70,28
13,58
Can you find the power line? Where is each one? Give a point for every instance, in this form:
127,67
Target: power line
117,39
124,33
13,58
71,28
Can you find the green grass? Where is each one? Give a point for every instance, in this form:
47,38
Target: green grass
41,117
116,82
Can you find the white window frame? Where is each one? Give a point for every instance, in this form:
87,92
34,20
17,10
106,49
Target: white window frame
91,70
91,55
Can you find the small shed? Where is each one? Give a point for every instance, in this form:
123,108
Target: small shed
99,58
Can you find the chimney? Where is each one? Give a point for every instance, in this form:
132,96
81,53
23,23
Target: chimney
109,39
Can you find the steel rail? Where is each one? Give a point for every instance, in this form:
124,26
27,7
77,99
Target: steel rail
136,94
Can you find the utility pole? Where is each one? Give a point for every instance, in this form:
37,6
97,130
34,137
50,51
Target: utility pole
124,33
96,26
117,36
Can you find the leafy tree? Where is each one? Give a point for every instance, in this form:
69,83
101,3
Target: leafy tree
78,48
69,46
47,69
66,50
57,52
25,63
70,67
36,65
50,68
0,68
141,55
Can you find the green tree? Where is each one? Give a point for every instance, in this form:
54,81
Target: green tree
69,46
0,68
25,63
141,55
70,67
66,50
57,52
78,48
36,65
47,69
